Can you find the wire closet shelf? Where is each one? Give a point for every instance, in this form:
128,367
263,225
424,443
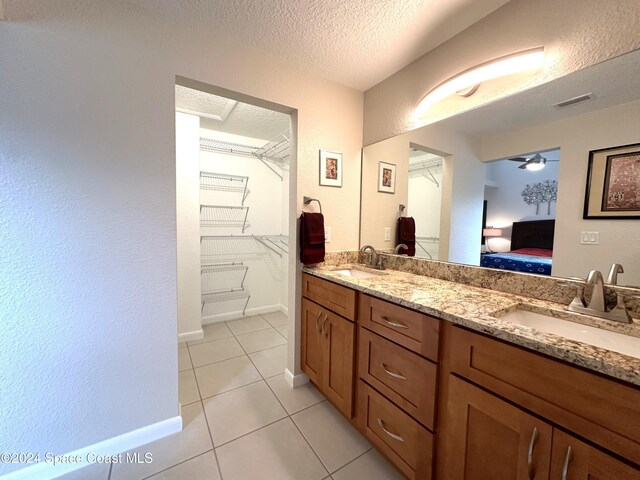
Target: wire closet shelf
274,154
224,216
221,277
222,302
221,248
222,182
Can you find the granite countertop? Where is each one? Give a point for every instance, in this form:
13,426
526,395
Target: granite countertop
479,309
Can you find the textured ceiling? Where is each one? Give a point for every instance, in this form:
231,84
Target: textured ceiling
357,43
612,82
224,115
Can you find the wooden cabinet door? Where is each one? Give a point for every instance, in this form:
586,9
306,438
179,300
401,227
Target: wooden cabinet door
572,459
488,438
338,376
311,349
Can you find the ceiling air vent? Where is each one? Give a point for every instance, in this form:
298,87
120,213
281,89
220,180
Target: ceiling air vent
574,100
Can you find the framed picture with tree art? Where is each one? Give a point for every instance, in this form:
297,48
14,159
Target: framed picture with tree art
330,169
613,183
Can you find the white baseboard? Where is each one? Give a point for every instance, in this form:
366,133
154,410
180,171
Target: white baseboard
223,317
295,381
112,446
190,336
284,310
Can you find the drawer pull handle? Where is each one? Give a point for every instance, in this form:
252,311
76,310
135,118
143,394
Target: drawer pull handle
326,332
567,460
532,443
318,320
393,324
392,435
391,374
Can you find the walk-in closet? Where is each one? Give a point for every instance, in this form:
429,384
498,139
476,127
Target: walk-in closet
232,177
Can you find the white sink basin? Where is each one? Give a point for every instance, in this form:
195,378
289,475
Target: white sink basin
598,337
352,272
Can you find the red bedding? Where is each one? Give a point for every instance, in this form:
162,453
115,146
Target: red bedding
536,252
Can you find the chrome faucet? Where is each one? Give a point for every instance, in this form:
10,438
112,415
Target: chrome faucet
398,247
597,306
373,255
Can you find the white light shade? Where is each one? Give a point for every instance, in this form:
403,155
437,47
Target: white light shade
534,166
492,232
507,65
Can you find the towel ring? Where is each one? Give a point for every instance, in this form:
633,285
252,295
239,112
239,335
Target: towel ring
307,200
401,209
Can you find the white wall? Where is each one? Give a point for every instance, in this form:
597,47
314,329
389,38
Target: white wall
88,208
188,225
504,197
576,136
574,33
424,205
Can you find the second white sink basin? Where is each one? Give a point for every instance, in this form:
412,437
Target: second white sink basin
352,272
598,337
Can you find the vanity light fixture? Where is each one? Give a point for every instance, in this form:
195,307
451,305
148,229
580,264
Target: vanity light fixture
467,80
490,232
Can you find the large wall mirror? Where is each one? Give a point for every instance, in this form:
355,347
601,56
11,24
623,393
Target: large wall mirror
504,185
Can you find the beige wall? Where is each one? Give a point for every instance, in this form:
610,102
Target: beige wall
462,193
88,207
576,136
575,34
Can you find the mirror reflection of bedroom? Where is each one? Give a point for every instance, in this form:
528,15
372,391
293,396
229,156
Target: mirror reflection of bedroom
519,212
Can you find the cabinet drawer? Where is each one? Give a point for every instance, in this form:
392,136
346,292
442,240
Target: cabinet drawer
406,443
593,406
413,330
402,376
336,298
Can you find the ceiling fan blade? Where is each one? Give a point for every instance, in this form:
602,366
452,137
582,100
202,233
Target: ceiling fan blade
524,165
518,159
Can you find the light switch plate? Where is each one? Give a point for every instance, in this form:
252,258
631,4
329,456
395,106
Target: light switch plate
589,238
387,234
327,234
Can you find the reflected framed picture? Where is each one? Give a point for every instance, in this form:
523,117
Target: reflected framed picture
386,177
613,183
330,169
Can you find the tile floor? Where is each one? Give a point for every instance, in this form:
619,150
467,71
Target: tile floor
243,422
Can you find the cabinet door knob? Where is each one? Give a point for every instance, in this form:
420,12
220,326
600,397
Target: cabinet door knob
392,374
392,435
393,324
326,332
532,443
567,460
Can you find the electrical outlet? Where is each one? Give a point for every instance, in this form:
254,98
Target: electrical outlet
387,234
589,238
327,234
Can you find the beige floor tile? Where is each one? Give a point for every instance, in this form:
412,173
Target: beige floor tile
294,399
330,435
226,375
184,361
371,466
187,387
96,471
240,411
215,351
246,325
275,318
215,331
283,330
203,467
274,452
254,341
193,440
271,361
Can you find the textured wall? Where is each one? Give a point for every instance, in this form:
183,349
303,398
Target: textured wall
88,208
575,34
576,136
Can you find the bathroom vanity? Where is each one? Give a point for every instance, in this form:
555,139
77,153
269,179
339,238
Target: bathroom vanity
446,387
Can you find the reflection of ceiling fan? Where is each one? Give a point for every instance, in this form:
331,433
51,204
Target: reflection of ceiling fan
535,163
